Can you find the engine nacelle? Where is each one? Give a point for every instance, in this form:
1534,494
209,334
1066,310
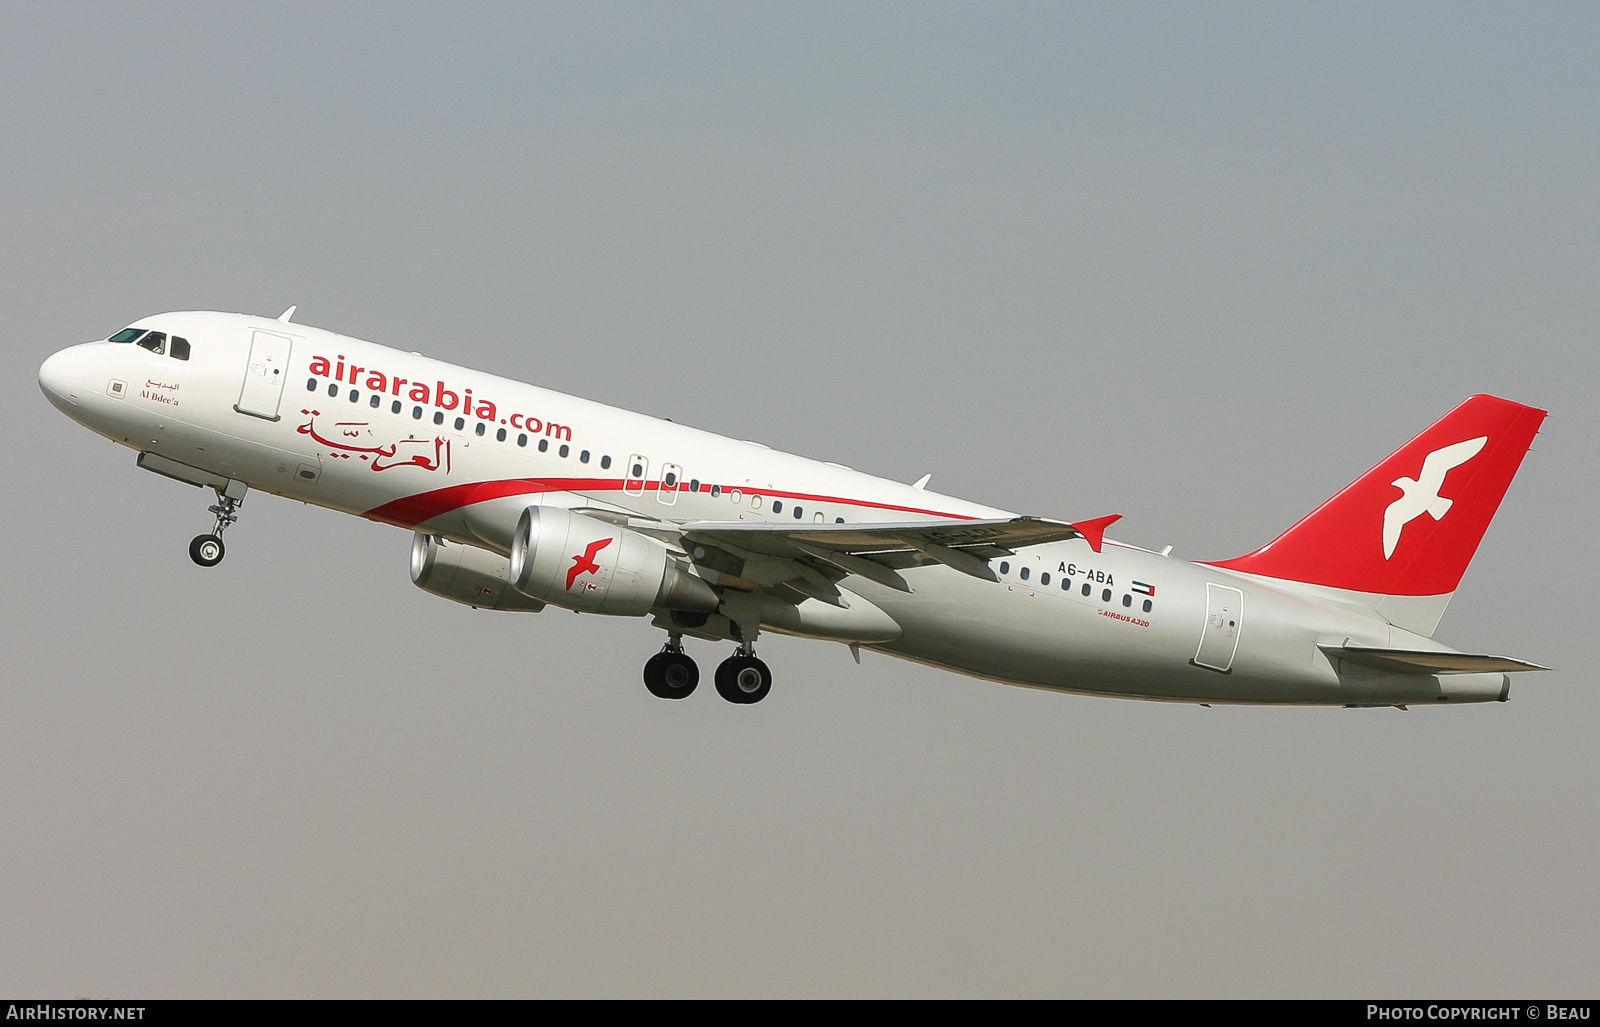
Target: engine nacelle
466,574
586,564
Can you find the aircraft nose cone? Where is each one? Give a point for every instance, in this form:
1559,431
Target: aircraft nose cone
61,376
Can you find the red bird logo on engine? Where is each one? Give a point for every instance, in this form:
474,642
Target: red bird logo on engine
584,562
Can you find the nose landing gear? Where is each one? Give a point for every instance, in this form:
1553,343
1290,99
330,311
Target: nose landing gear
208,550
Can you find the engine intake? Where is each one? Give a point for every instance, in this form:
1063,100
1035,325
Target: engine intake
582,563
465,574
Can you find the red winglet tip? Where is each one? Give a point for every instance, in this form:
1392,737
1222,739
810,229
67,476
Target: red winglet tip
1094,532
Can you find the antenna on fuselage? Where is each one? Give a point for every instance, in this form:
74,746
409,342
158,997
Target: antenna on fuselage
287,314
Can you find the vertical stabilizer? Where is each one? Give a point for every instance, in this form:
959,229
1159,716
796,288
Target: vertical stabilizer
1409,526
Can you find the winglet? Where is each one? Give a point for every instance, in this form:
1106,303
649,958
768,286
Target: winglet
1094,532
287,314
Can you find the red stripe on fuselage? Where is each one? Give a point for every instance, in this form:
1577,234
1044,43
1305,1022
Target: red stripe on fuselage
410,511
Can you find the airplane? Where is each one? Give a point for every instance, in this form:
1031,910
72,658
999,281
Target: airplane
520,497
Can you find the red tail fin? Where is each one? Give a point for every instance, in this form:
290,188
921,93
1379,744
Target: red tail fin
1411,524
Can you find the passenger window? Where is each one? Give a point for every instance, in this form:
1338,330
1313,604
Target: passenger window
155,342
799,512
180,348
1127,600
127,335
736,496
522,440
755,502
416,413
1044,579
311,385
438,417
500,436
1105,596
355,394
1066,584
838,520
544,445
565,450
716,490
1147,605
479,430
394,408
583,457
1024,574
605,463
461,422
333,390
1087,588
1005,567
777,506
376,399
817,517
694,484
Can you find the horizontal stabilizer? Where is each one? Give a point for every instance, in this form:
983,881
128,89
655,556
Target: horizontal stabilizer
1420,661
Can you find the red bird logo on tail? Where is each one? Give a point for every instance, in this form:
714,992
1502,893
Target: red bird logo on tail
584,562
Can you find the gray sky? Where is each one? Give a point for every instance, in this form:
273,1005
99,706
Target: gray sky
1197,264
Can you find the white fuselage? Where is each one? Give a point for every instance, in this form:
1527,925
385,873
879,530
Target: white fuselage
331,420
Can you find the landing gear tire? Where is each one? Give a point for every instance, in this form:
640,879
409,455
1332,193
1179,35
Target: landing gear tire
671,675
207,550
743,679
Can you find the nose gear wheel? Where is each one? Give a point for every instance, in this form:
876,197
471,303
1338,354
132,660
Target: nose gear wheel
208,550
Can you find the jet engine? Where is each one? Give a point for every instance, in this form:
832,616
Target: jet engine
587,564
465,574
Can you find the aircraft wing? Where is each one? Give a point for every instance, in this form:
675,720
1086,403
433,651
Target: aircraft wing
879,551
981,538
800,561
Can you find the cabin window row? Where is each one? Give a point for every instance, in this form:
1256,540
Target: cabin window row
670,480
1087,589
480,428
796,510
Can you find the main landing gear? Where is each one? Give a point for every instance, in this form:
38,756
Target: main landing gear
741,678
208,550
671,673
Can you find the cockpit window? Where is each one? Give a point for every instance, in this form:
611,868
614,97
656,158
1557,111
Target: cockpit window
180,348
155,342
127,335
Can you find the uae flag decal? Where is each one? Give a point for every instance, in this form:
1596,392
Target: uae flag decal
1144,588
